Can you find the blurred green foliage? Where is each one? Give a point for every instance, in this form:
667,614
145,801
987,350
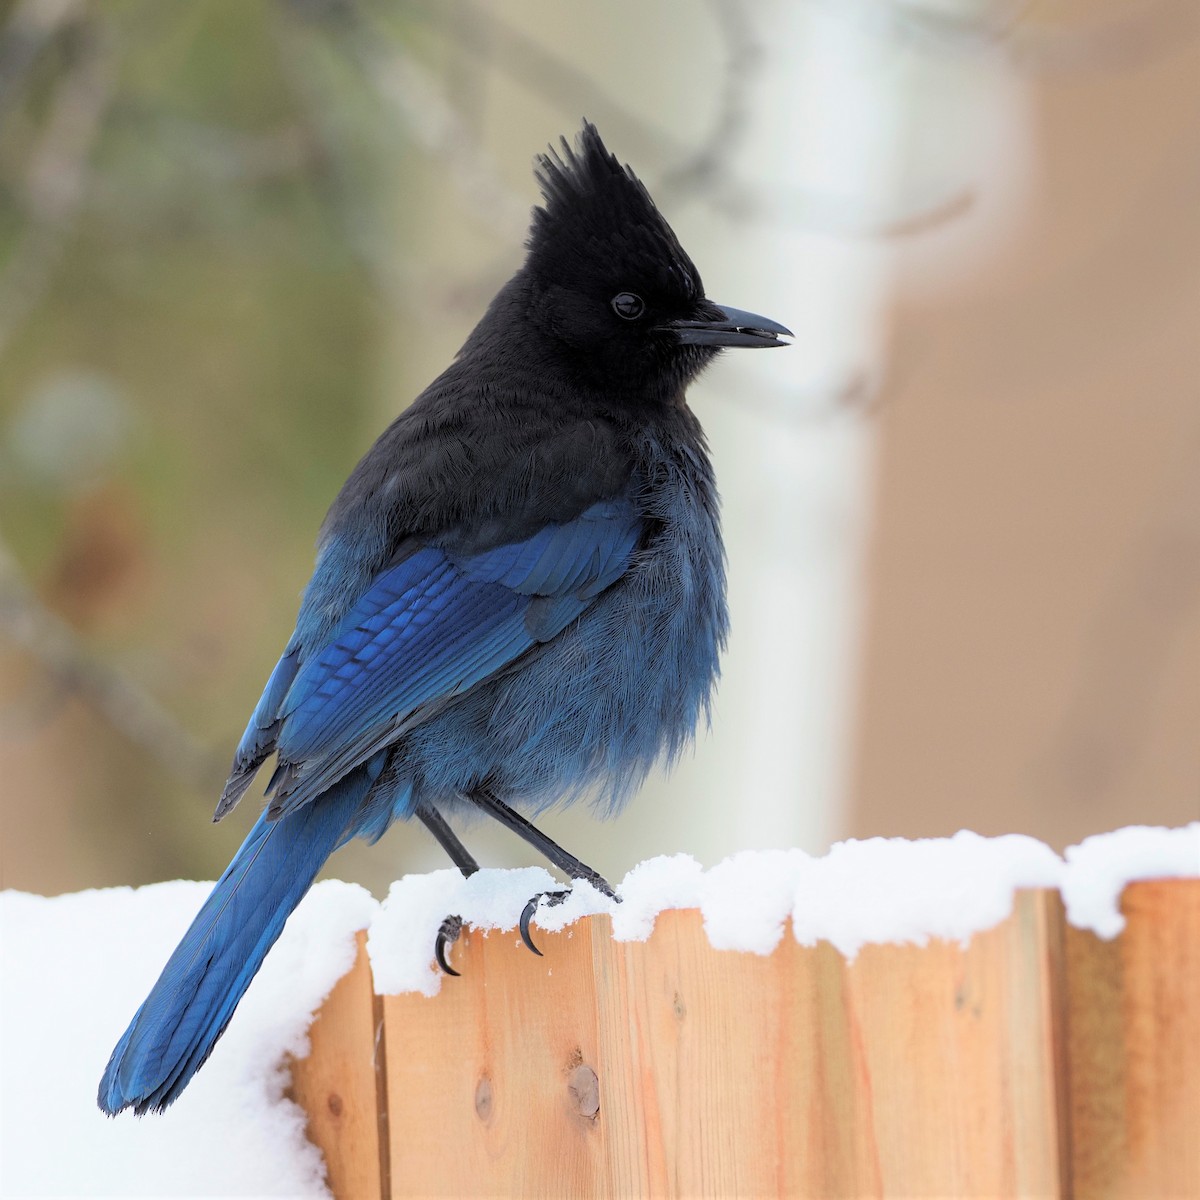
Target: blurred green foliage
182,279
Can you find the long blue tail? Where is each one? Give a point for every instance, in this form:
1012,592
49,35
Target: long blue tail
187,1010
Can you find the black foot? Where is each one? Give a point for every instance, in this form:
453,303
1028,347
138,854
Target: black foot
448,934
550,899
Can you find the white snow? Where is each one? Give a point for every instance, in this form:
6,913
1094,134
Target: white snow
878,890
74,969
1098,869
892,890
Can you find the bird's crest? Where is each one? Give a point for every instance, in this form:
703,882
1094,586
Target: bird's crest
598,221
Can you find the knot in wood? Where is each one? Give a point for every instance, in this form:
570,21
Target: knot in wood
584,1088
483,1098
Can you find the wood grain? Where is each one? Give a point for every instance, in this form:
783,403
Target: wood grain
1034,1061
339,1085
1134,1048
909,1072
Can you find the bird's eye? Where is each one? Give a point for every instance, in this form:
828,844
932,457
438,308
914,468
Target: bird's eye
627,306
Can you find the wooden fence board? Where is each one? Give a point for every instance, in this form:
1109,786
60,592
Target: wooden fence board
478,1077
1134,1048
338,1085
1035,1061
960,1060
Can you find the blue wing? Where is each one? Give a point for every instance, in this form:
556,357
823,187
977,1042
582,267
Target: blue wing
429,628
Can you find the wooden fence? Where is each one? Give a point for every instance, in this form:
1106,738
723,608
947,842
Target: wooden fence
1038,1060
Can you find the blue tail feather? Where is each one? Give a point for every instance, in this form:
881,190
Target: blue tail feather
187,1010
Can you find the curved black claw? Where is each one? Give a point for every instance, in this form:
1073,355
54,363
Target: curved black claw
527,912
448,933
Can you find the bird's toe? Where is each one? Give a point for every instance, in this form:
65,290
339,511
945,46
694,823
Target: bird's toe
448,934
535,902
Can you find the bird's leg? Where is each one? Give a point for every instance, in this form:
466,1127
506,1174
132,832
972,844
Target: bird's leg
550,850
448,840
567,863
451,927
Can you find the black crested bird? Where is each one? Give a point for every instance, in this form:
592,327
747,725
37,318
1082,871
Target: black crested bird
519,597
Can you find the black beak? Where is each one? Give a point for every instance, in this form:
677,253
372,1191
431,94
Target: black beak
732,327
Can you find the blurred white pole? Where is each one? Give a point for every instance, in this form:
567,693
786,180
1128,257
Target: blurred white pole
828,129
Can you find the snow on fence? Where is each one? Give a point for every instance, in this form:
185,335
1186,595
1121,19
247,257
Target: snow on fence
1034,1059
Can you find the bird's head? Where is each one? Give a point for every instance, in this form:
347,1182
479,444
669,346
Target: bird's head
609,283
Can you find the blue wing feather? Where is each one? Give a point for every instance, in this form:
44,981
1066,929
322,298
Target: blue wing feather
431,627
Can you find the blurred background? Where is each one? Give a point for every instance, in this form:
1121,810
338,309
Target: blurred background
963,512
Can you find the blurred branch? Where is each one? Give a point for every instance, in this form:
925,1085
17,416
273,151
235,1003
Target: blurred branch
409,90
235,156
1103,42
828,213
704,173
348,202
710,160
130,710
31,25
946,29
483,32
858,395
1121,43
56,180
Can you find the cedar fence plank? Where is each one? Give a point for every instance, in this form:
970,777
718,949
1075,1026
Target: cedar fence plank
339,1085
1134,1048
1036,1060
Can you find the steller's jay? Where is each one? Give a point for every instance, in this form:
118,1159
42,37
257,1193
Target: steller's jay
519,597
